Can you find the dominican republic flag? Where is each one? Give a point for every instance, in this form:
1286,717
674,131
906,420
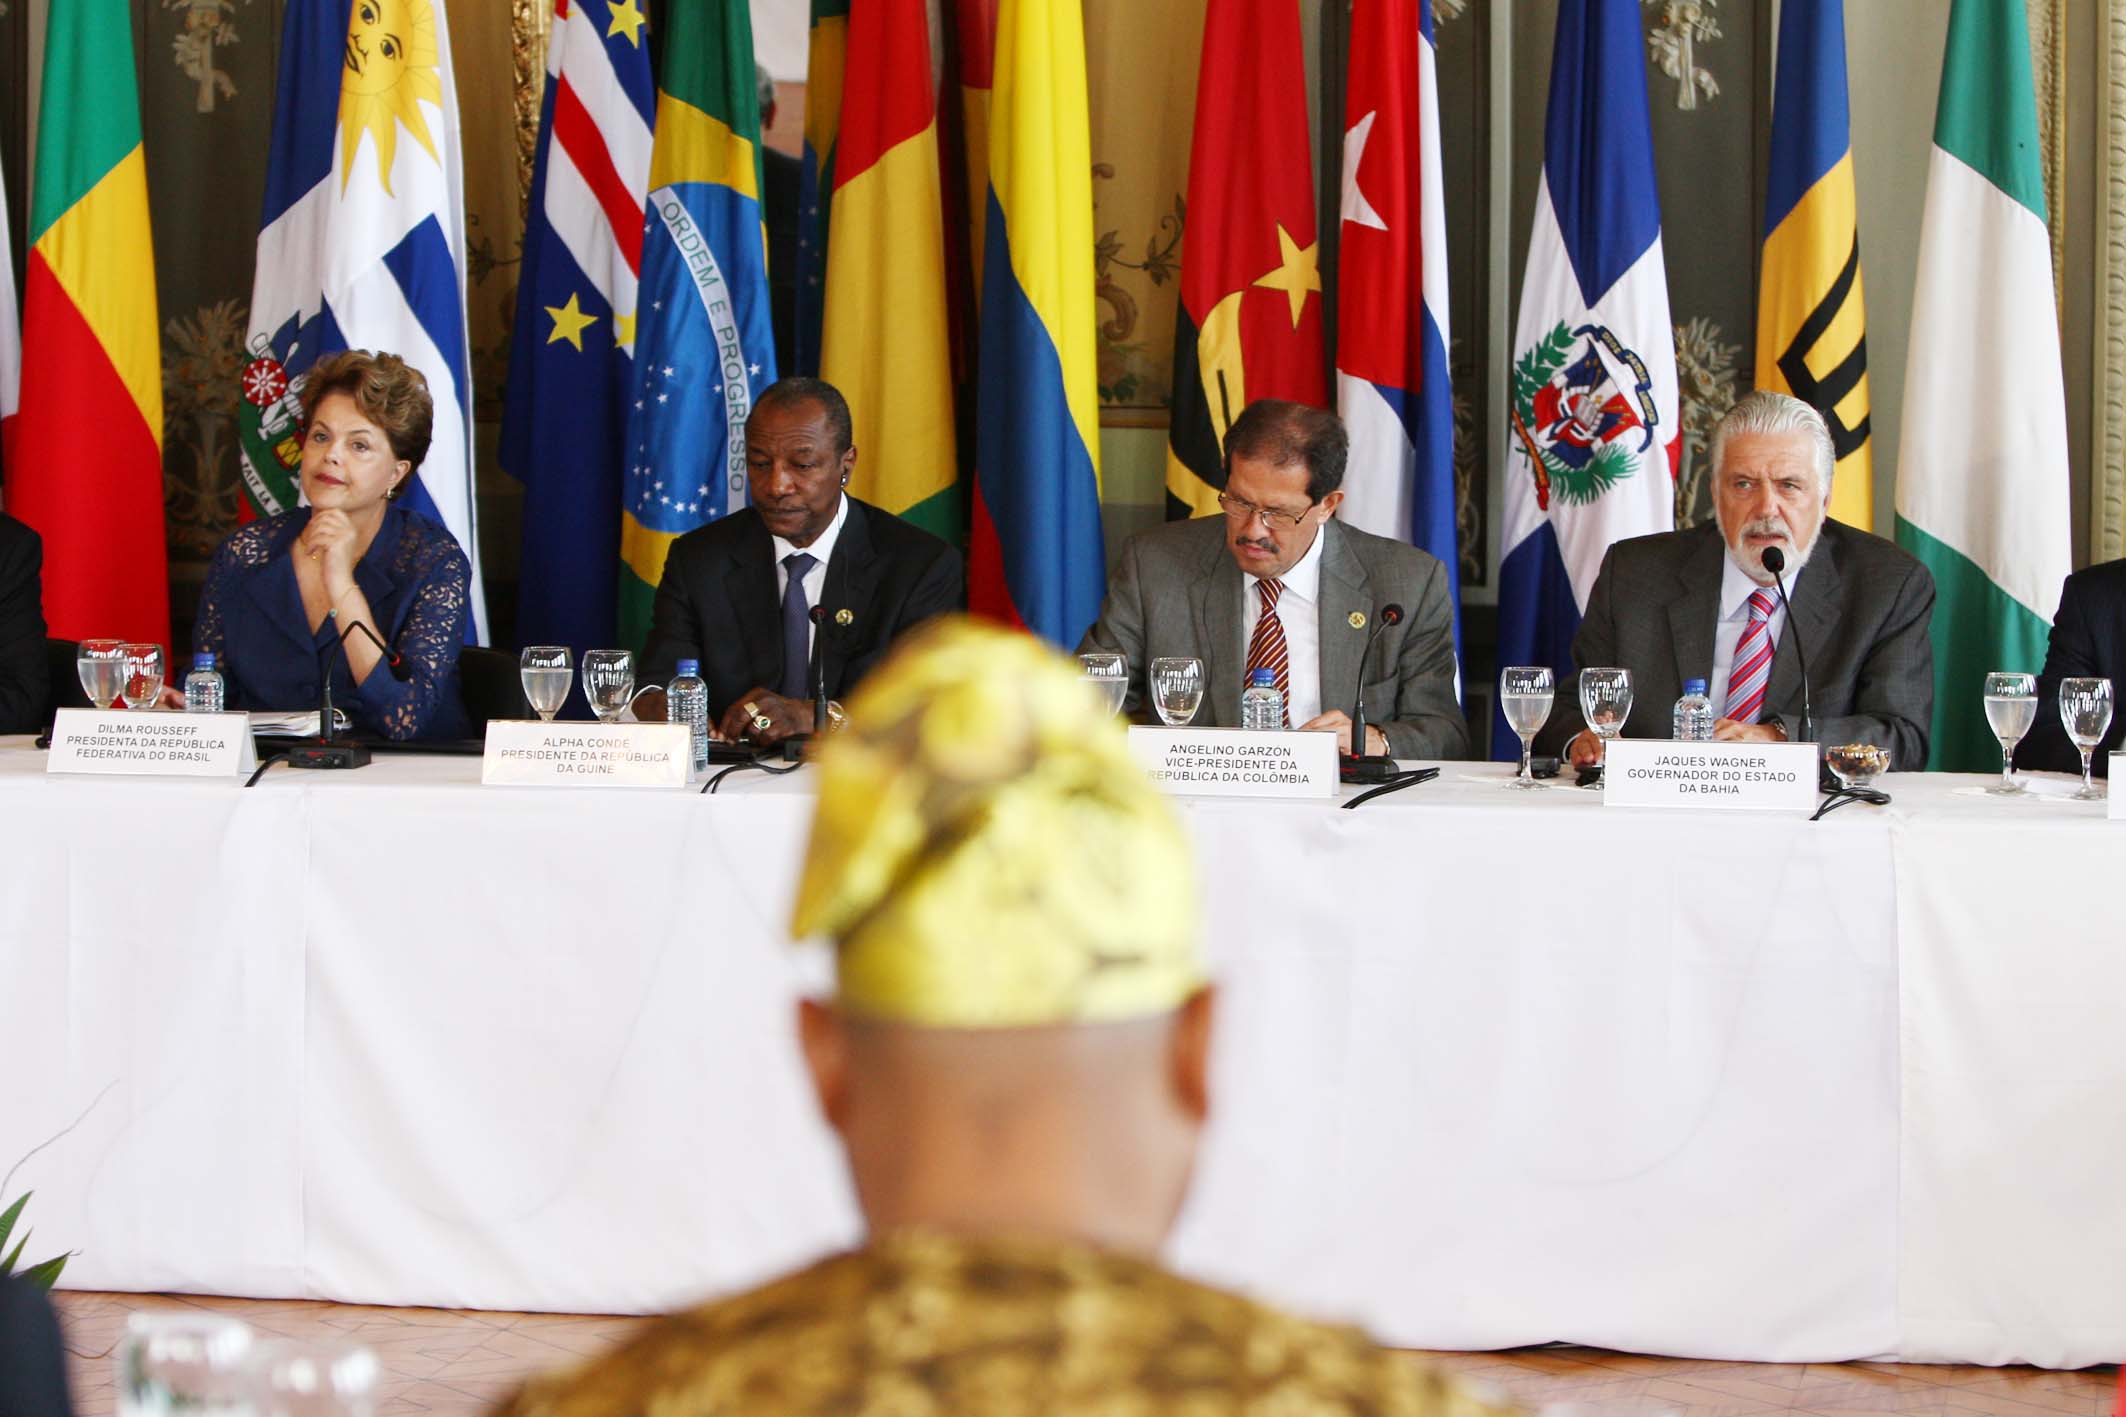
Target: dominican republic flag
1592,432
1392,385
362,244
571,361
10,335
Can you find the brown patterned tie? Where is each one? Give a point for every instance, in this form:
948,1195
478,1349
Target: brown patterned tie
1266,650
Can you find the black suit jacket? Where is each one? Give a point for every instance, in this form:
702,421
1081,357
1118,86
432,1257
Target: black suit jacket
1861,609
25,665
2088,641
717,601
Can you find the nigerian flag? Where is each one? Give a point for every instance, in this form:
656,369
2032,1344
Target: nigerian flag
1982,475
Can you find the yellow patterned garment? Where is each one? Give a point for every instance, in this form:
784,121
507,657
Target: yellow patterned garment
987,854
922,1323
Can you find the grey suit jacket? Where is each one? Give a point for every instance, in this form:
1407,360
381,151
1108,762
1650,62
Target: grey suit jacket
1176,591
1861,610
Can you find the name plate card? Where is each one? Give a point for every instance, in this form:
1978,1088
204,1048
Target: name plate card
151,743
1760,777
1237,762
2114,802
532,754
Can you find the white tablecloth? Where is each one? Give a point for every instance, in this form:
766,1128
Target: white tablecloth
1492,1068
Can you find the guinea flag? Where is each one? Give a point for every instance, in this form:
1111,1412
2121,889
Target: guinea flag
86,469
1249,324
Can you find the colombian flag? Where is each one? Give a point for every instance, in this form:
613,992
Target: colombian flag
87,464
1036,557
1250,323
827,57
886,343
1811,327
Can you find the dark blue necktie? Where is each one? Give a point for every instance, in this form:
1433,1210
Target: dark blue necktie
796,627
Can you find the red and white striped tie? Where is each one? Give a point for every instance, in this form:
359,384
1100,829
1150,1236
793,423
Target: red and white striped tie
1753,662
1266,650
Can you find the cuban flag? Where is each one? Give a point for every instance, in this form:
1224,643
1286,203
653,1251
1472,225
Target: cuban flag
1392,385
571,363
1592,436
362,244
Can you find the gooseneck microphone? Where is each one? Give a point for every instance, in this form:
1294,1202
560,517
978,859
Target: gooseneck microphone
1359,765
819,669
327,751
1774,560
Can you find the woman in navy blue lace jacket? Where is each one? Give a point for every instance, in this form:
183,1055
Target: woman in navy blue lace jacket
282,588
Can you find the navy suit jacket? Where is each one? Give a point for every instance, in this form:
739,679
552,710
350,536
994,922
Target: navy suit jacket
2088,641
25,668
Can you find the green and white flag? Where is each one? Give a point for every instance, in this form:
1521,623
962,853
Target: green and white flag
1982,494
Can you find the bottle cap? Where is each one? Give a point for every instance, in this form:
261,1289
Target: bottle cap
689,666
1262,676
203,660
1693,686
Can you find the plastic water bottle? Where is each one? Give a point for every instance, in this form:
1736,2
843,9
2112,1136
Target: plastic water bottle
687,701
1261,706
1694,714
203,686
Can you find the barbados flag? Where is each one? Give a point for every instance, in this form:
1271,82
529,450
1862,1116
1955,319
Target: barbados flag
1036,557
1591,423
704,344
886,342
362,244
825,61
1392,385
86,466
571,364
1812,326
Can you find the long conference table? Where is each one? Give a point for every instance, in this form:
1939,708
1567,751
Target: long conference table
1492,1068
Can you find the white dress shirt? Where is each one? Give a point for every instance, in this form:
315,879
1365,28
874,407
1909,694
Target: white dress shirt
821,551
1299,611
1735,591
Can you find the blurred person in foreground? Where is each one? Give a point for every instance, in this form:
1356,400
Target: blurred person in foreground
281,589
1015,1060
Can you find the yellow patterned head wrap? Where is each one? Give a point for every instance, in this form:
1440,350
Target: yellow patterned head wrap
987,854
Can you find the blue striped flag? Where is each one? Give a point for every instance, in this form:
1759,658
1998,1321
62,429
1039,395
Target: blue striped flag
571,363
362,244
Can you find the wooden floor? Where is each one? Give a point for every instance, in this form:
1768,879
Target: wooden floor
459,1361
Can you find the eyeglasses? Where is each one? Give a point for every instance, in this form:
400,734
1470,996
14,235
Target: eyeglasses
1275,519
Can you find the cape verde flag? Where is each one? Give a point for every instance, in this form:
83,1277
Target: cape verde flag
1392,386
1592,434
362,245
571,364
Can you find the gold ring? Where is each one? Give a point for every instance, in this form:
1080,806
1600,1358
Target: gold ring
761,722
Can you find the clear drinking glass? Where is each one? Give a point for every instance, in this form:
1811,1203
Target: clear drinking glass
608,682
1605,702
297,1378
186,1361
1108,674
547,671
143,675
1525,694
1177,689
2085,712
101,667
2011,707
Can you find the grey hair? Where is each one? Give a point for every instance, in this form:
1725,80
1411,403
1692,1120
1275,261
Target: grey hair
1768,414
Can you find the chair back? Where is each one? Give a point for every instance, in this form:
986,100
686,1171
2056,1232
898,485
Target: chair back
489,680
65,690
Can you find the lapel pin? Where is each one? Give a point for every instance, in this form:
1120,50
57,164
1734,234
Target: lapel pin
1358,619
844,617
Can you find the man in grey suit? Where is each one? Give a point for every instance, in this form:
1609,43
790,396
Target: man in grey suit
1201,589
1699,604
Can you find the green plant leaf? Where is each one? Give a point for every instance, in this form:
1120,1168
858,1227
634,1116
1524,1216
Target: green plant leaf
45,1275
7,1266
7,1219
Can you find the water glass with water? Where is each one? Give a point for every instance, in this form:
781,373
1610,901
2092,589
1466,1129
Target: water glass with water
2011,707
1605,702
547,672
184,1361
1525,695
1109,675
101,667
303,1378
2085,712
143,676
1177,689
608,682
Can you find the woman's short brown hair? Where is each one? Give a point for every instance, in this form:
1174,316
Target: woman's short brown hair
389,392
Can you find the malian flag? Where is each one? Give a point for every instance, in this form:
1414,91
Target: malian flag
1392,385
1250,319
362,245
86,464
1592,437
1982,490
10,338
1036,557
571,363
886,340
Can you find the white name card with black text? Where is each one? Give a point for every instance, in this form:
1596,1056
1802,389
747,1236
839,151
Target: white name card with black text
1761,777
531,754
151,743
2114,803
1237,762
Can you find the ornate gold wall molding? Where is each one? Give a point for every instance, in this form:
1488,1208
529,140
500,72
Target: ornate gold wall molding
2107,481
530,22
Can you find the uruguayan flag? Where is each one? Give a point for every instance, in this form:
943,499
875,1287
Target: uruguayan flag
362,245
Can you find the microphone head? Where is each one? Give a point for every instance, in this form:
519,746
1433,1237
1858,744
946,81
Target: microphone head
1774,559
1391,614
400,669
818,614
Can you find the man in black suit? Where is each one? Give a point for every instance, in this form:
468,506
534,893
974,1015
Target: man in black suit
737,594
2088,642
1699,604
25,673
